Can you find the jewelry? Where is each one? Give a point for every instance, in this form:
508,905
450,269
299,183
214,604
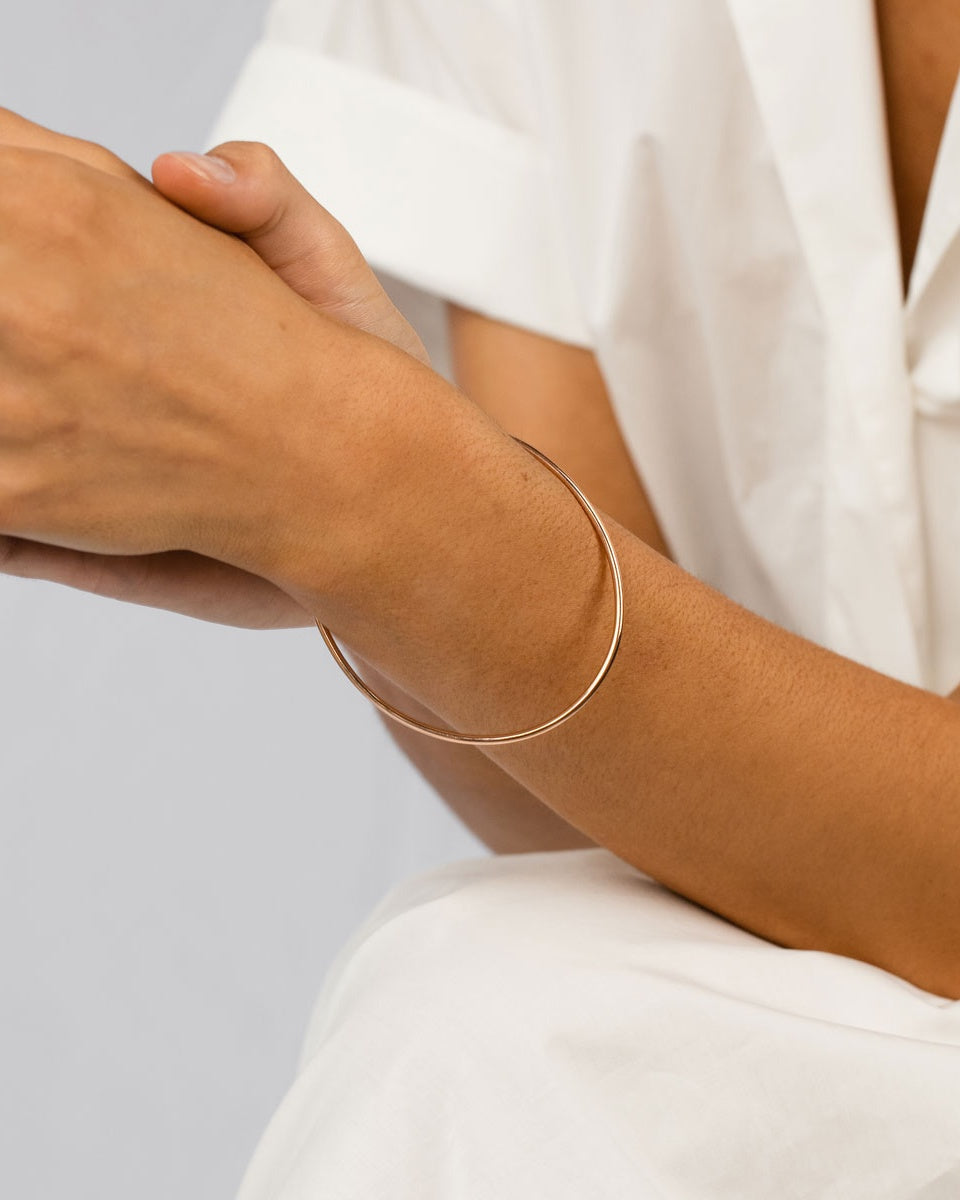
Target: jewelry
502,739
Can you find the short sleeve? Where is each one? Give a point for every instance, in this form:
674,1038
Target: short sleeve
416,124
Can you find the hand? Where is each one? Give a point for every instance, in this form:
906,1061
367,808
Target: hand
157,380
294,235
269,210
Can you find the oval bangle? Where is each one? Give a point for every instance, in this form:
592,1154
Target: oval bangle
502,739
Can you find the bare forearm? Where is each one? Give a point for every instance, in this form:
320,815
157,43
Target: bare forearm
497,809
802,796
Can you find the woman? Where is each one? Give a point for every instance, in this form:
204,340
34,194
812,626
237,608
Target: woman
677,241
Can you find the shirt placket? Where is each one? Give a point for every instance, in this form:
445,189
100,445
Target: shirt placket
816,74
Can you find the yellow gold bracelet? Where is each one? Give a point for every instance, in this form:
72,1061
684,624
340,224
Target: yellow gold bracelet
502,739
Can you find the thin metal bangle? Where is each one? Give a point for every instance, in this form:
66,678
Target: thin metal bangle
502,739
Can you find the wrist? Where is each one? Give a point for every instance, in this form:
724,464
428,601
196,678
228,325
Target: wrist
318,478
462,568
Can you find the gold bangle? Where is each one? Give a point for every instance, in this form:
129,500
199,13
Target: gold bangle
501,739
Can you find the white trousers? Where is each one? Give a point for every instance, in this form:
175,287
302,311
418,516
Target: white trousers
558,1026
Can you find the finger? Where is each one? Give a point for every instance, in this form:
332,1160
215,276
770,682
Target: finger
18,131
177,581
37,560
269,208
296,237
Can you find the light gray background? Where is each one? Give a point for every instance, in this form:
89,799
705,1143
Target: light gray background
194,818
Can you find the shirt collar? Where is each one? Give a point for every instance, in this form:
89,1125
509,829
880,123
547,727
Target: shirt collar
817,75
815,70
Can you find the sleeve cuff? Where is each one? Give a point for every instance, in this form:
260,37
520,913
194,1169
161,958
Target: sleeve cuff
448,202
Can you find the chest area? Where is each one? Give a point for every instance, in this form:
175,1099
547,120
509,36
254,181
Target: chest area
919,49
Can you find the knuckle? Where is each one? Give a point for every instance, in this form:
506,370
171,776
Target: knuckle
95,154
43,191
92,154
76,205
261,158
27,426
40,326
15,492
17,166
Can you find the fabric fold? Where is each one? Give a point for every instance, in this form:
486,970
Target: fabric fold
447,201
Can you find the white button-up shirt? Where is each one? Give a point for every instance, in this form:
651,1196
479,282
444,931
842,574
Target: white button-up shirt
699,190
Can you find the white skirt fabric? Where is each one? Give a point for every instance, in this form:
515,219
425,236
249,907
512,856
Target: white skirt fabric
558,1026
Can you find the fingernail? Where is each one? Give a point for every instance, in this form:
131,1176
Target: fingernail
207,165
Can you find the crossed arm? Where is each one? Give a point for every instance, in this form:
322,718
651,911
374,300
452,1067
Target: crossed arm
806,798
802,796
554,397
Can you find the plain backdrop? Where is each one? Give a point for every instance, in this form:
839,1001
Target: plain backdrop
194,818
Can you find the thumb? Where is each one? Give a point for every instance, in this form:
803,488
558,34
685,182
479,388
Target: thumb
244,188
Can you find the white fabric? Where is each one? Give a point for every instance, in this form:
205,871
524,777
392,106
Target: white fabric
700,191
558,1026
